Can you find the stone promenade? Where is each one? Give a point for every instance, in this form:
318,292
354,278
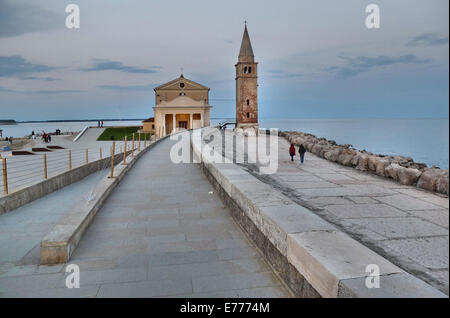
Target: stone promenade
163,232
406,225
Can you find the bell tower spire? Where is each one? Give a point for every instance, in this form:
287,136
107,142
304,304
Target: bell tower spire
246,85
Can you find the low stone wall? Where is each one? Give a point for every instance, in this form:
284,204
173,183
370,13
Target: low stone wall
312,256
58,245
401,169
26,195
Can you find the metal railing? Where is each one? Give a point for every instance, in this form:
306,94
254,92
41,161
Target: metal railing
22,171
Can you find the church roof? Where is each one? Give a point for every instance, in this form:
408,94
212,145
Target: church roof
246,45
181,79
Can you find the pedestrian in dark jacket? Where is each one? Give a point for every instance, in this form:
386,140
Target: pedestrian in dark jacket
292,152
301,151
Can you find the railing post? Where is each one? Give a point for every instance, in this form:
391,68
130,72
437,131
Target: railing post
145,140
5,177
87,156
45,166
113,151
101,155
125,151
70,159
139,142
132,148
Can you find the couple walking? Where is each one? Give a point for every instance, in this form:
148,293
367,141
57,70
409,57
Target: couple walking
301,151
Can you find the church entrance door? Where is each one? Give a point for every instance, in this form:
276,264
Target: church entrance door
183,124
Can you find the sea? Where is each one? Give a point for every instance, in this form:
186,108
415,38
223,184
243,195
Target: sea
425,140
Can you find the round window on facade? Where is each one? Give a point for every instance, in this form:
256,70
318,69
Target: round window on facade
182,85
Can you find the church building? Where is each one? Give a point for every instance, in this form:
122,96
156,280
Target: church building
179,104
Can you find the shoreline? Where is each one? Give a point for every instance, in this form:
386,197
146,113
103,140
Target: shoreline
399,168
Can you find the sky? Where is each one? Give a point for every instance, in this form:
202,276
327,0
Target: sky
317,59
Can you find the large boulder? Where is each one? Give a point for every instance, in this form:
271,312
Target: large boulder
434,180
372,163
333,154
346,157
408,176
442,183
392,171
363,162
381,165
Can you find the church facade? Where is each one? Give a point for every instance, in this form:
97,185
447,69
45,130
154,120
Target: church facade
179,104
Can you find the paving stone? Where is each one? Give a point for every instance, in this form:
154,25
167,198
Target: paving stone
233,281
311,184
364,211
401,227
335,177
404,202
363,200
172,258
259,292
391,286
347,190
322,201
439,217
64,292
237,253
431,252
108,276
150,288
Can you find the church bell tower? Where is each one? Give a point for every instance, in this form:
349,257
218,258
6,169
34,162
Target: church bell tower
246,86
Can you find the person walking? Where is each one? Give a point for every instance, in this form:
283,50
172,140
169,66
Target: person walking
292,152
102,123
302,151
33,136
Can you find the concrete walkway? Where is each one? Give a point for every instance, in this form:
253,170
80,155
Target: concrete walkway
408,226
22,230
163,232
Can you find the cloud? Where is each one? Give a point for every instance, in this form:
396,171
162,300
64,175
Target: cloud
128,88
105,65
356,65
7,90
280,74
19,18
428,39
17,66
36,78
40,92
51,92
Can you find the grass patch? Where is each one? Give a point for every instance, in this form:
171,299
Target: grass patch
119,133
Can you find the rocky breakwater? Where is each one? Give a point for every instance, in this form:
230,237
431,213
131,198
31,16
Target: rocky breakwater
402,169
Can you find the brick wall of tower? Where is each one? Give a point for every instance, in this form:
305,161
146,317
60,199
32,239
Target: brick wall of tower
246,89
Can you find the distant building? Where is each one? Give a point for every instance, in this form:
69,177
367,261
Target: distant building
179,104
148,125
246,86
